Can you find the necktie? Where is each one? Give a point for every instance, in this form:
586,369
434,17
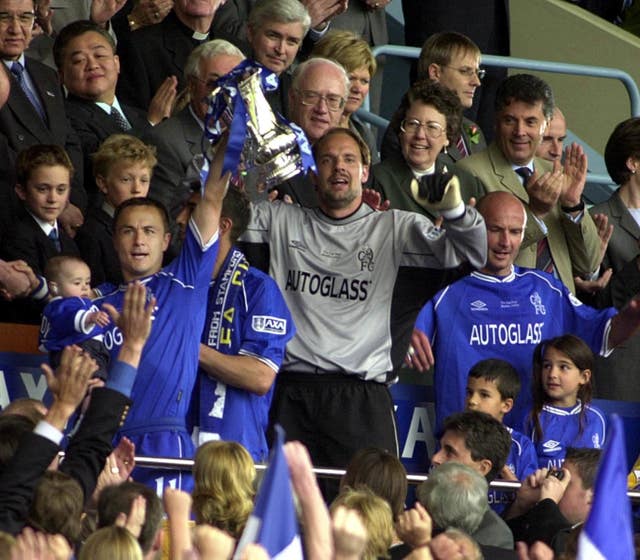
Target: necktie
525,173
119,119
461,147
53,235
544,260
18,71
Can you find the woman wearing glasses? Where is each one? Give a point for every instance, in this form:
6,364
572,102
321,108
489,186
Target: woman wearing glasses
426,123
354,54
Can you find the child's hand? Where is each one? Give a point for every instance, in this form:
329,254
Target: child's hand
99,318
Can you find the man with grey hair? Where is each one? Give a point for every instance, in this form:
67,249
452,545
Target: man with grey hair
481,443
179,139
455,495
316,101
275,31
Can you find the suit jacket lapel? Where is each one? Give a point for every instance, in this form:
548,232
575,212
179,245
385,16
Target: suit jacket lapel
626,221
192,131
507,176
24,112
49,93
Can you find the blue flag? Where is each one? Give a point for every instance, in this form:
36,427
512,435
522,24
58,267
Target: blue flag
273,523
607,533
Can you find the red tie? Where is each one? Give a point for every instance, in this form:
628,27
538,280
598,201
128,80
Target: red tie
544,260
461,147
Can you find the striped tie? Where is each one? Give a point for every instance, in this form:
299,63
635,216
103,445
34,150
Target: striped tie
461,147
544,260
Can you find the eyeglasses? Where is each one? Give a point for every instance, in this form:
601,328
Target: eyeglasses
25,19
334,101
210,84
431,129
469,72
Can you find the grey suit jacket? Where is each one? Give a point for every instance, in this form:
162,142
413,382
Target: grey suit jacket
574,247
177,140
494,531
623,245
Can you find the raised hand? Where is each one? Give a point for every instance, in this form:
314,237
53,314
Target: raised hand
575,175
414,526
544,190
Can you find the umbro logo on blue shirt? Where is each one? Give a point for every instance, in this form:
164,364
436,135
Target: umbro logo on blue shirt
552,446
479,305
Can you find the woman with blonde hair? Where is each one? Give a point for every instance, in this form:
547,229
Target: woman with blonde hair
224,489
354,54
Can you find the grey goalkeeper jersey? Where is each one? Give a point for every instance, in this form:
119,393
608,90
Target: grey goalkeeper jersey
337,277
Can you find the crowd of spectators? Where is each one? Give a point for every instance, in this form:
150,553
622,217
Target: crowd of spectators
188,316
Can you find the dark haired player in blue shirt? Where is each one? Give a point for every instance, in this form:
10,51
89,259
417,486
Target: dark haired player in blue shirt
167,372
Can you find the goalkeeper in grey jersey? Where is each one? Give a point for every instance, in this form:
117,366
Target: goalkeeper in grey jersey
336,266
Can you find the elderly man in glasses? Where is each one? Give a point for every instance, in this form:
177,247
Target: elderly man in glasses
179,139
316,101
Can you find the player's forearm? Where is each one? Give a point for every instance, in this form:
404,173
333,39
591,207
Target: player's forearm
130,353
243,372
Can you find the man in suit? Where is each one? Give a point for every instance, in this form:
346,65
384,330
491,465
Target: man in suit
85,55
453,60
152,54
179,139
560,236
34,112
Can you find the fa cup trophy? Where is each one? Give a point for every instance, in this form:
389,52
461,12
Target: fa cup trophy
263,148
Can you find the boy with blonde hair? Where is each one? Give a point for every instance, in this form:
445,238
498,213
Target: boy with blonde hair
122,168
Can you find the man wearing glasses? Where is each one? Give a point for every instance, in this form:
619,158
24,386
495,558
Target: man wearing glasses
34,112
316,101
179,138
452,60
